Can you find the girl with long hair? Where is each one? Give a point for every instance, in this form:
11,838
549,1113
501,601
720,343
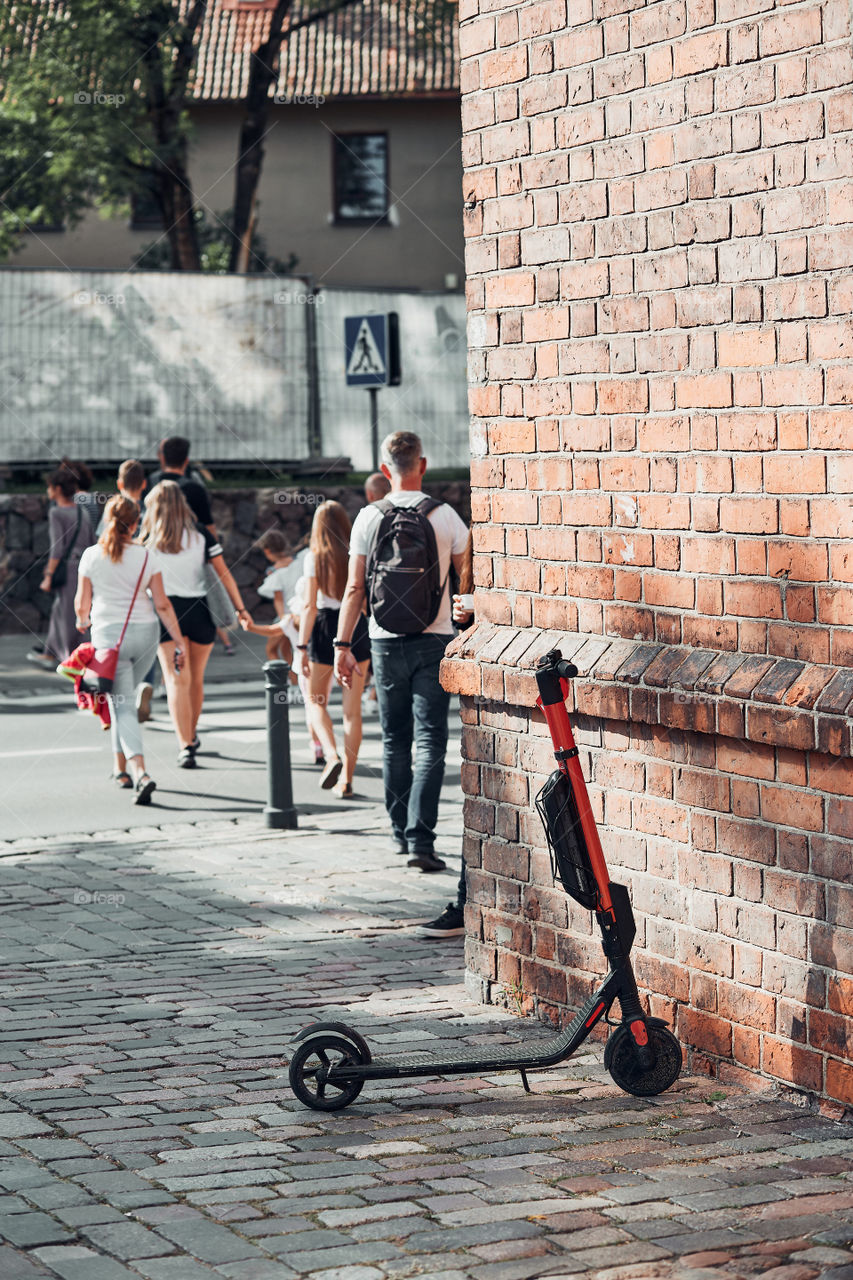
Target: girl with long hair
184,548
110,573
325,570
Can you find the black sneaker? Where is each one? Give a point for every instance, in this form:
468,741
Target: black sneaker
450,924
399,845
427,861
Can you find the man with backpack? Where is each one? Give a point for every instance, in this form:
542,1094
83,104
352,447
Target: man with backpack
401,552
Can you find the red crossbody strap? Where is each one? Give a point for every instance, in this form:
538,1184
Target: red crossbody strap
133,601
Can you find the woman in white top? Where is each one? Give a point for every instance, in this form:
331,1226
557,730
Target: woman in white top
107,578
184,548
325,571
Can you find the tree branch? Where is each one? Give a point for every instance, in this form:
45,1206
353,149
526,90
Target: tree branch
185,51
319,16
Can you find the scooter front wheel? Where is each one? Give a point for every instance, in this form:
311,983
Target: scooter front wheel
310,1067
620,1059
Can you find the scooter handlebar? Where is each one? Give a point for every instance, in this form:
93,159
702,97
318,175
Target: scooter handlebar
551,672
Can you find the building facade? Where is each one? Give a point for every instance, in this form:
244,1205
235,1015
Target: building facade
362,177
659,222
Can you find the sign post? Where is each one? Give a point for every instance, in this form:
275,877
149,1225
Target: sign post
372,344
373,392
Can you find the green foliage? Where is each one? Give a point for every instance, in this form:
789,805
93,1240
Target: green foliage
214,238
91,106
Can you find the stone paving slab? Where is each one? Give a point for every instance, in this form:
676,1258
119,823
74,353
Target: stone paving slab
147,1129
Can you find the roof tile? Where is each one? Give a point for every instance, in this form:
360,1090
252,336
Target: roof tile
385,48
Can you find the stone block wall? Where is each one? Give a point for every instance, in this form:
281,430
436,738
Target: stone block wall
659,205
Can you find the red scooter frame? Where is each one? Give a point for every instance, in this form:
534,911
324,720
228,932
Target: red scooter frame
332,1061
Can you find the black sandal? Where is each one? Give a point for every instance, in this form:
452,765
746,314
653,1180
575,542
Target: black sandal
144,789
122,779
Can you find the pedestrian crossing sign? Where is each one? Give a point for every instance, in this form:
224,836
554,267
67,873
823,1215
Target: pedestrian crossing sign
372,350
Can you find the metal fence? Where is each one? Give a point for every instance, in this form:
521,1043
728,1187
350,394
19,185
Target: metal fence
102,364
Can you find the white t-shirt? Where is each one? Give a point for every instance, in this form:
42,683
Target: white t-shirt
183,571
283,580
113,583
308,571
451,536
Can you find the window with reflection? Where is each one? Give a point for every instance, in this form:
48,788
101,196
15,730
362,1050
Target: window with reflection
361,177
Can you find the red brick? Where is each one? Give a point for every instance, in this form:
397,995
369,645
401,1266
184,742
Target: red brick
753,1008
792,808
704,391
663,511
798,561
807,476
514,290
746,347
705,1031
839,1081
831,429
753,600
790,30
675,592
798,1066
829,773
699,53
515,508
749,515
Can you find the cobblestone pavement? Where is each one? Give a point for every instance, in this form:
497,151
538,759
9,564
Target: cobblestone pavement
153,983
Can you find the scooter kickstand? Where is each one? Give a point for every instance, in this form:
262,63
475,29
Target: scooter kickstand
523,1074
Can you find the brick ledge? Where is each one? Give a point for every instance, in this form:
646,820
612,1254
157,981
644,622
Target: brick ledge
752,697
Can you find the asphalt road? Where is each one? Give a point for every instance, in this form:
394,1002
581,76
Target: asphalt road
55,763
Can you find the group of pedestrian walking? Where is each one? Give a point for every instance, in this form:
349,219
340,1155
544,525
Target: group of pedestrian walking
149,557
376,596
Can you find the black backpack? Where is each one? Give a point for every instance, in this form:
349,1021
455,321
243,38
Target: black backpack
402,574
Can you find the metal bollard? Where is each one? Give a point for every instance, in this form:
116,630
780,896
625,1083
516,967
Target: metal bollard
279,812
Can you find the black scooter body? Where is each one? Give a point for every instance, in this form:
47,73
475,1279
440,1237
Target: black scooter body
332,1062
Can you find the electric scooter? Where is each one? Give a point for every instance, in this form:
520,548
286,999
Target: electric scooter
332,1061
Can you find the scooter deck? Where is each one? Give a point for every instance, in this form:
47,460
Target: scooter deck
428,1062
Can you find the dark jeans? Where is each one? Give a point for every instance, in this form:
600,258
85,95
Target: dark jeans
413,709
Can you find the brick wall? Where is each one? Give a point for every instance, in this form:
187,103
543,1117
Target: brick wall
659,206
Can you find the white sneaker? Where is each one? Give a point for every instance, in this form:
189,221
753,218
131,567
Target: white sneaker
42,659
144,694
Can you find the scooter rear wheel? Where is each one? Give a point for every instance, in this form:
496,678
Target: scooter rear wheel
310,1066
620,1059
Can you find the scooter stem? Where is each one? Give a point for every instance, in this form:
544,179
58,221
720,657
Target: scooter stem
552,677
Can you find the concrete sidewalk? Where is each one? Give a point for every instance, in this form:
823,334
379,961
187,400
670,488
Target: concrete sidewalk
152,992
